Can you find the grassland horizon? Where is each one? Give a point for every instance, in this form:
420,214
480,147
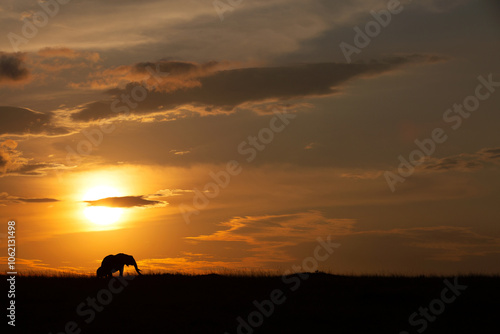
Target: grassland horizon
256,302
246,273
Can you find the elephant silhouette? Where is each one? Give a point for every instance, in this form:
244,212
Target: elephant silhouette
113,263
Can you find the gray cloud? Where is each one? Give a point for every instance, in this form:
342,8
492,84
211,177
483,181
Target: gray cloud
463,162
20,121
452,163
12,68
491,154
226,89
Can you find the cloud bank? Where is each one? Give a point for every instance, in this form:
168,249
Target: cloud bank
214,89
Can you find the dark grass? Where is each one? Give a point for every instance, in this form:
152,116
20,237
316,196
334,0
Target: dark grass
322,303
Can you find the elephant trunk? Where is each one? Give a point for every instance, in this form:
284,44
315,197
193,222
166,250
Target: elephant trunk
135,266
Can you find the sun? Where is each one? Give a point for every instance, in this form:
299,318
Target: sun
102,215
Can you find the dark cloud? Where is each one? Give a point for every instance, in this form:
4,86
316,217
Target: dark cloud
175,68
464,162
126,202
6,198
490,153
226,89
3,160
12,68
20,121
36,169
454,163
37,200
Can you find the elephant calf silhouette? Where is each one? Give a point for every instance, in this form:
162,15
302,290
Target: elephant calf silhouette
113,263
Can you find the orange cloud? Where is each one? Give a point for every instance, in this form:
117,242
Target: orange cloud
270,236
13,163
68,53
10,158
165,76
35,266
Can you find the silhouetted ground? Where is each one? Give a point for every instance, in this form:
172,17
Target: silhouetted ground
322,303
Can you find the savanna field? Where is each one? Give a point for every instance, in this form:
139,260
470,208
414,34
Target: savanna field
257,303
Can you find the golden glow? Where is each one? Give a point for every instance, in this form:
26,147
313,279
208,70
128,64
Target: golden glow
102,215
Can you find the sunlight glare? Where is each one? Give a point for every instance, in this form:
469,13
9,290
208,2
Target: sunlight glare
102,215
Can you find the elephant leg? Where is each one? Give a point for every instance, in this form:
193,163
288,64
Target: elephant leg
121,270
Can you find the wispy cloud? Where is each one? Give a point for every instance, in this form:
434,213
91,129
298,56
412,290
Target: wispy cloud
57,59
170,192
51,52
270,236
5,198
362,175
447,243
464,162
39,266
12,162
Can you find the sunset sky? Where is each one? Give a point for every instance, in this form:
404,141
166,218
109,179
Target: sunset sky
200,136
